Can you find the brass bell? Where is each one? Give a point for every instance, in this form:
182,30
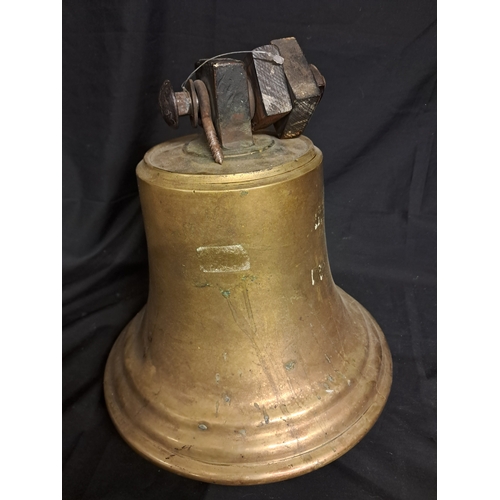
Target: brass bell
247,364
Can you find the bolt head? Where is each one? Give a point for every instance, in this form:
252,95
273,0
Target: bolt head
168,105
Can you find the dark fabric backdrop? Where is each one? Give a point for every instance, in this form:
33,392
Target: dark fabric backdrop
376,126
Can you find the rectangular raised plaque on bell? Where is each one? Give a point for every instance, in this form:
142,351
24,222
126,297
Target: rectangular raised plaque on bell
247,364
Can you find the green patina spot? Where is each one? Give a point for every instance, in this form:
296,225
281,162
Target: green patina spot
243,193
248,277
290,365
226,293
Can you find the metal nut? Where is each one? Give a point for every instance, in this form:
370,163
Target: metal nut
304,91
270,88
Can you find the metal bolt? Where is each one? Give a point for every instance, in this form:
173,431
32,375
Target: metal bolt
319,78
168,105
175,104
188,102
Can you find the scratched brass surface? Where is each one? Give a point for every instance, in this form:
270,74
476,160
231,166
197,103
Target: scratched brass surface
247,364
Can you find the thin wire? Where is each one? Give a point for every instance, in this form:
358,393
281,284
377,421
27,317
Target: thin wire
274,57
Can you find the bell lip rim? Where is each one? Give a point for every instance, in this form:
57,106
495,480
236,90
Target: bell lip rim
263,476
253,473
